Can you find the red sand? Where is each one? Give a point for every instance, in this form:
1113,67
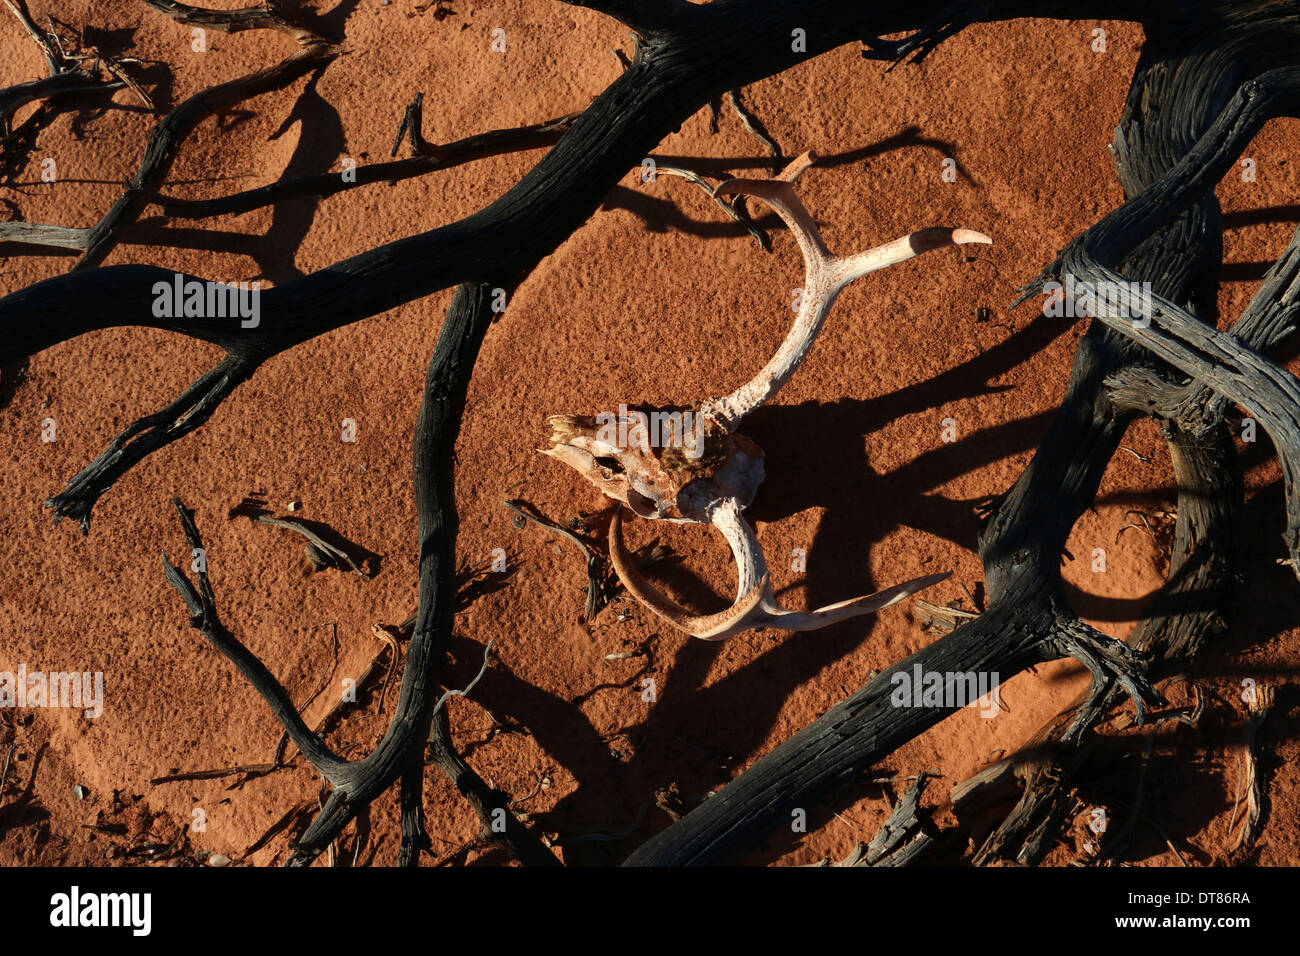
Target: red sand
654,300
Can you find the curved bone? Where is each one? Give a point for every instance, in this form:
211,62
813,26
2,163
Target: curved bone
824,276
718,493
755,604
711,627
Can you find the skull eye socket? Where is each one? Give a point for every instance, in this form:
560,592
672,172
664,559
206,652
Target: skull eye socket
612,464
641,505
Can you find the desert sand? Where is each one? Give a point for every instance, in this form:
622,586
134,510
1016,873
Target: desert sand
657,299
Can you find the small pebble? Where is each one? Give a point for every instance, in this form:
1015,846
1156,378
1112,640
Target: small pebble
218,859
294,505
80,792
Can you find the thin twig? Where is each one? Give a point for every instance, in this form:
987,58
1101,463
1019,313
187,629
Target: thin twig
598,576
321,553
469,687
756,128
735,209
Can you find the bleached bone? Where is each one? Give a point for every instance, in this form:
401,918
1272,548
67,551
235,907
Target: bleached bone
825,275
755,604
714,487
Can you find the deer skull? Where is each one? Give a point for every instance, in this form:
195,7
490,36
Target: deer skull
691,466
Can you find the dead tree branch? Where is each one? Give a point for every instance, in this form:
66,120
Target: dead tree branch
204,618
1167,233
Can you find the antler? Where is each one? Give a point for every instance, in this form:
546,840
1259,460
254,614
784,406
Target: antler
715,488
755,604
825,275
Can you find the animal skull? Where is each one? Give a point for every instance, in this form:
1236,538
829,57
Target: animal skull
691,466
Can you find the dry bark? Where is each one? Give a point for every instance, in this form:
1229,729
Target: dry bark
1210,75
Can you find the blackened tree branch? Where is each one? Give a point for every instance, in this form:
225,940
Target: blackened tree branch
643,16
171,132
494,143
204,618
188,411
436,428
269,16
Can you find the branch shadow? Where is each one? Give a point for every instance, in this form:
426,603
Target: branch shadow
24,809
696,730
1254,271
659,214
274,251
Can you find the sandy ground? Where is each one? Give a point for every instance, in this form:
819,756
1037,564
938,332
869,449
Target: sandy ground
657,300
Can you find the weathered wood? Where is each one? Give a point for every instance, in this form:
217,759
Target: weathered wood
1210,75
1182,103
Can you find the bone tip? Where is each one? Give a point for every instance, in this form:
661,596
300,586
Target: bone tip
937,237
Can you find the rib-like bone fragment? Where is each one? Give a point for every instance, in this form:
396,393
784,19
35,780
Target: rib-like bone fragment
713,477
